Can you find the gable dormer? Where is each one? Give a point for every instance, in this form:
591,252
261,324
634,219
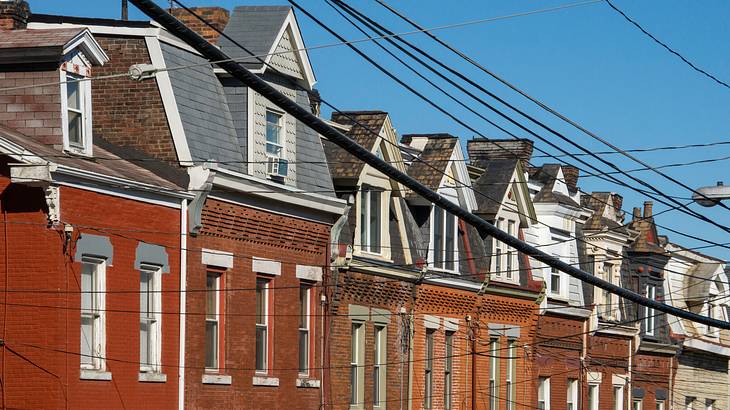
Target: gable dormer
57,115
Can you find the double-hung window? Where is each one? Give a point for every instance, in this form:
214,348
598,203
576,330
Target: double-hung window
572,402
262,325
93,327
511,373
305,314
637,404
593,396
510,254
606,299
150,318
357,371
650,315
274,145
713,312
428,376
493,374
448,369
618,397
213,328
379,359
543,393
660,405
709,404
75,110
444,239
498,250
555,281
370,219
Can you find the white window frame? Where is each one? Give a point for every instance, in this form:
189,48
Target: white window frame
365,205
97,313
498,251
281,133
511,264
661,405
572,395
380,344
594,396
511,375
709,404
449,369
649,313
357,369
264,325
216,318
618,402
493,374
714,311
85,148
153,319
637,404
305,332
453,259
543,393
552,272
428,369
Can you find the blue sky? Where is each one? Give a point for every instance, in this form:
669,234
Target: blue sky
587,62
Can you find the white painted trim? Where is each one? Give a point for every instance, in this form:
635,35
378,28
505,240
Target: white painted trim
313,273
619,379
431,322
308,383
708,347
216,258
216,379
451,325
95,375
91,49
183,301
595,377
169,103
265,266
119,31
250,95
152,377
265,381
291,21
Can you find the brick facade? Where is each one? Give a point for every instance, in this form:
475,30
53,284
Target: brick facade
246,233
217,16
41,359
36,111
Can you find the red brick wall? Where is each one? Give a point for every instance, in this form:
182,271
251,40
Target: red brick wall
36,111
557,356
130,113
217,16
35,261
608,355
652,372
247,232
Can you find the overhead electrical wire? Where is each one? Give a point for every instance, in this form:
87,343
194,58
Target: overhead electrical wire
544,106
366,20
305,116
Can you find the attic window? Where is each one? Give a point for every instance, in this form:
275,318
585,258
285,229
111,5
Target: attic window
76,106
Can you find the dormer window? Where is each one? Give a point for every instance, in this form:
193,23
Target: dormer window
444,239
76,105
277,165
370,219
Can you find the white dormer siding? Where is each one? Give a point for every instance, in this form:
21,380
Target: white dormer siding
258,157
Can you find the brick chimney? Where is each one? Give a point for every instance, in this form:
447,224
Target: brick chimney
217,16
14,14
483,150
648,209
571,175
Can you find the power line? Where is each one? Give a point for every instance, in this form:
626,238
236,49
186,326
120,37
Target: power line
547,108
666,47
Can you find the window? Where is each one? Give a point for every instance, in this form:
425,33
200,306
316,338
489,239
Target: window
274,145
150,316
618,397
444,234
428,377
93,332
448,369
593,396
305,314
606,296
493,373
649,318
75,107
379,359
510,265
543,393
637,404
511,373
213,328
262,325
356,370
572,394
555,281
498,250
660,405
370,219
709,404
713,312
689,403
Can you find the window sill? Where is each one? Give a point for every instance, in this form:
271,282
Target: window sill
78,151
217,379
513,281
266,381
95,375
376,256
304,382
152,377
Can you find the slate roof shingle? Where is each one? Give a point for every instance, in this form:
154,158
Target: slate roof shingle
254,27
435,157
342,164
37,38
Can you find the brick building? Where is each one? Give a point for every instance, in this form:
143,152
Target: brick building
91,240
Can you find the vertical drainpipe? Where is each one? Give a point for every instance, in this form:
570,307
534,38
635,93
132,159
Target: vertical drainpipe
631,376
183,287
583,375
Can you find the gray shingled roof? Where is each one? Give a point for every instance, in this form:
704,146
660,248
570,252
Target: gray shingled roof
341,163
434,159
204,112
254,27
493,184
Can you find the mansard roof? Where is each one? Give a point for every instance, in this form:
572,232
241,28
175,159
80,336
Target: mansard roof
433,160
369,125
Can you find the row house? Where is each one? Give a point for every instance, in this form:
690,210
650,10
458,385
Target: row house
257,227
91,240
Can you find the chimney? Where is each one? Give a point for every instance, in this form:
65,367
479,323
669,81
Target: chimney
14,14
483,150
217,16
637,214
647,209
571,175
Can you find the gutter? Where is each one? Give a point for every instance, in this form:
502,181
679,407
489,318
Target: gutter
183,301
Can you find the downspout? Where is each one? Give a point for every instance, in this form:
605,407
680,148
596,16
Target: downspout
670,398
183,287
631,376
5,300
583,375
